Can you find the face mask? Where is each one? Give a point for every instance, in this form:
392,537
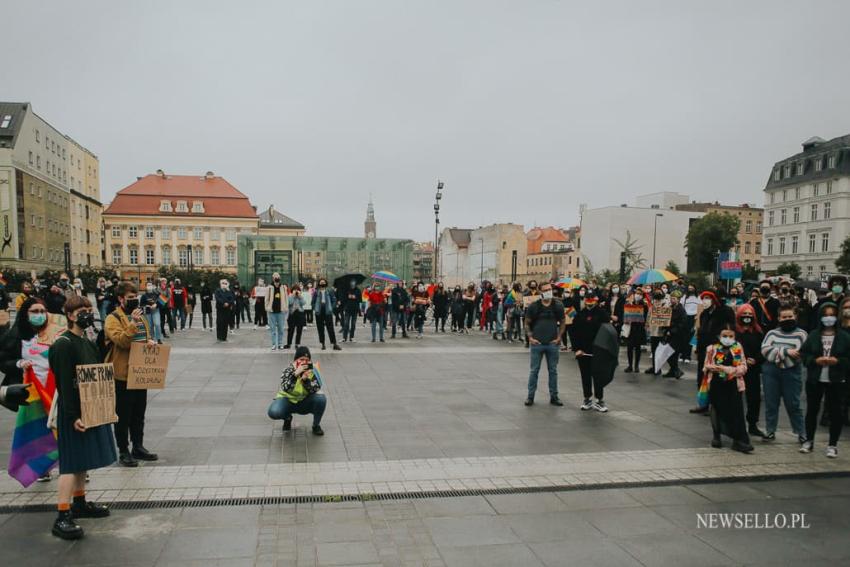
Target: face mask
706,303
547,295
37,319
845,312
421,288
828,320
664,289
785,291
581,293
746,320
63,283
837,289
323,284
638,298
85,320
788,325
765,291
615,290
533,286
727,341
131,305
149,288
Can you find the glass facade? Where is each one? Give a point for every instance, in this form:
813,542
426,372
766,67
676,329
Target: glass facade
302,258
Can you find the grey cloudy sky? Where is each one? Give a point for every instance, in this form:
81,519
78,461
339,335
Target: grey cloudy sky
525,109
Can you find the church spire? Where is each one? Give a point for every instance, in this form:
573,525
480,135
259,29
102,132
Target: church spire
370,226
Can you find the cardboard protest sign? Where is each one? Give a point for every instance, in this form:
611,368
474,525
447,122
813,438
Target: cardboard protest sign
56,324
660,316
96,383
569,315
4,317
148,366
633,313
529,299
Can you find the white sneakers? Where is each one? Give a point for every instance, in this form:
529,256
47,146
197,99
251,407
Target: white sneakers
806,447
832,452
587,405
597,405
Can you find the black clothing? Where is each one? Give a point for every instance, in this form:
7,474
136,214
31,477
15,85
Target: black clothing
206,299
351,300
55,303
130,405
325,323
711,322
750,341
767,312
178,296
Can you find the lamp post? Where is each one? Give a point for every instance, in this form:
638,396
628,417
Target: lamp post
481,273
435,272
654,237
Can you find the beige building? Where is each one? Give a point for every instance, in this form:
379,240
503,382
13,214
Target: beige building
748,248
495,253
553,253
85,209
176,220
39,168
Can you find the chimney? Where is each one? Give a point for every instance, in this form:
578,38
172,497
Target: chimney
209,175
160,173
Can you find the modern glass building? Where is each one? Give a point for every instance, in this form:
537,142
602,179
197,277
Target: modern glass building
301,258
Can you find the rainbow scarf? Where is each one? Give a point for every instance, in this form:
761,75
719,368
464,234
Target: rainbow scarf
719,357
34,448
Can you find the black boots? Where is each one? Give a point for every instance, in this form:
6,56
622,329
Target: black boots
65,527
127,460
85,509
142,454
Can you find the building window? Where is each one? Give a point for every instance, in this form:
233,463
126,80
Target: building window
772,198
796,215
795,241
758,227
37,137
782,217
149,258
165,206
770,247
38,162
829,187
133,231
800,168
198,233
822,272
747,247
215,234
812,243
166,233
230,234
758,248
215,260
827,210
824,242
796,193
830,162
149,232
770,218
230,256
809,271
781,245
816,189
181,232
182,207
182,257
166,255
818,167
815,211
197,206
748,227
784,195
198,255
116,255
134,256
786,171
777,175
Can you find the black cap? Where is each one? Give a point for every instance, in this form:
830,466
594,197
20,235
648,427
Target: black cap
302,351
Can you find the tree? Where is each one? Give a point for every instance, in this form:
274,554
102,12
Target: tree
749,272
634,258
843,261
715,232
672,267
793,269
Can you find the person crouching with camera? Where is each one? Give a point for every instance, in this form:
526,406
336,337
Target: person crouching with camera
300,392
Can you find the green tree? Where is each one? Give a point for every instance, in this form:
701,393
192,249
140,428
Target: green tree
843,261
634,258
672,267
713,233
749,272
791,268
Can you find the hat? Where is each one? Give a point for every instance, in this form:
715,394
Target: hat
301,352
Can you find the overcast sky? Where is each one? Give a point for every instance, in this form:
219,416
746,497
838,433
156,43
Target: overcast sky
525,109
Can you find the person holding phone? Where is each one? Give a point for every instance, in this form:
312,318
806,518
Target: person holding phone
300,392
123,327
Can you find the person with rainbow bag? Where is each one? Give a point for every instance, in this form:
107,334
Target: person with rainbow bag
723,380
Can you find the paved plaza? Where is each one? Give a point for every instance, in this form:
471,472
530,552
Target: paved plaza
430,458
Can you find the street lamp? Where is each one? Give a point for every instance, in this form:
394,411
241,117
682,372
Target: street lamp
481,274
654,237
435,272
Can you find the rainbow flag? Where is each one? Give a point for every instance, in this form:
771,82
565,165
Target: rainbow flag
702,393
34,448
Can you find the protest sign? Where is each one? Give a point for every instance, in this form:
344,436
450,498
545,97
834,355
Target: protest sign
148,366
633,313
660,316
96,383
529,299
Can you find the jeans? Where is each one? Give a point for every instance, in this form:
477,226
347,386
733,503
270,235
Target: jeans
833,391
515,327
282,408
180,315
500,317
151,317
277,325
380,322
349,323
552,353
784,383
398,318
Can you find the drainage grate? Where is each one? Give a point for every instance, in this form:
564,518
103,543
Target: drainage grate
366,497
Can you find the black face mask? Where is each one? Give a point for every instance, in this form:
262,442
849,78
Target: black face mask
788,325
659,296
85,320
765,291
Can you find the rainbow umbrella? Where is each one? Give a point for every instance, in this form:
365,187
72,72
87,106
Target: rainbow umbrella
386,277
570,283
652,277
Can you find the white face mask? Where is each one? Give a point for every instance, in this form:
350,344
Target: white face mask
706,303
615,290
581,293
727,341
547,295
149,287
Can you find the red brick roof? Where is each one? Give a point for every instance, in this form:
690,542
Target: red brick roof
144,197
538,236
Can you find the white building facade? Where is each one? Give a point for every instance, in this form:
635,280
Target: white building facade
807,208
495,253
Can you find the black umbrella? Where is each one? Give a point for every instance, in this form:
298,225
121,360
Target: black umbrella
342,282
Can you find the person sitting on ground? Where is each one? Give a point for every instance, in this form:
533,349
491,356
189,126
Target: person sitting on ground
300,392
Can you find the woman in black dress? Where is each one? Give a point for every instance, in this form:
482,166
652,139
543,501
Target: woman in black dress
81,448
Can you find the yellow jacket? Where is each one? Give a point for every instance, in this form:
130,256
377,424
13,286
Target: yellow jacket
119,333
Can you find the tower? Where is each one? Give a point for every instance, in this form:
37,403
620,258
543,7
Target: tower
370,227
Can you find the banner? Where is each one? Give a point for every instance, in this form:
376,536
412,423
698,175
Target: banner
660,316
730,270
633,313
569,315
148,366
96,383
529,299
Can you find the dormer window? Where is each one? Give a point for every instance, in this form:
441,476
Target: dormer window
800,168
777,175
197,206
830,162
786,172
818,164
182,207
165,206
